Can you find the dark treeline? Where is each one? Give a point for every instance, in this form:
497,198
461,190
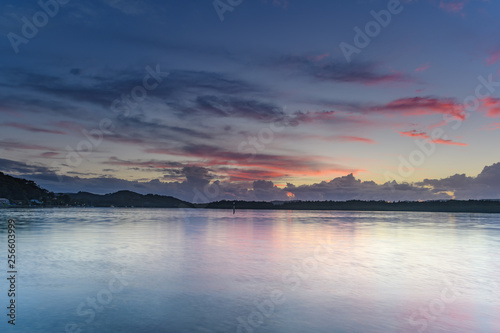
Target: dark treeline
470,206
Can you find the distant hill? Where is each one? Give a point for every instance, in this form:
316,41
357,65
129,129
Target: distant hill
19,190
127,199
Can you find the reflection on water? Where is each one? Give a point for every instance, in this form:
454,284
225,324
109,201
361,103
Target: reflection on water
167,270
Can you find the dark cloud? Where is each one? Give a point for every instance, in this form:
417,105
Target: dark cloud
139,128
485,186
149,165
99,90
30,128
20,168
204,82
265,190
224,106
349,188
422,105
338,71
182,93
11,145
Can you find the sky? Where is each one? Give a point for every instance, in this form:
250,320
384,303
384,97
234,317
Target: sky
253,100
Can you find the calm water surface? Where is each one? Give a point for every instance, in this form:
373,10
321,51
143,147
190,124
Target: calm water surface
167,270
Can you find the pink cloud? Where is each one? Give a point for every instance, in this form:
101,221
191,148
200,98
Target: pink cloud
319,57
49,154
417,106
415,134
453,6
492,126
448,142
236,174
394,77
493,58
423,68
356,139
425,136
322,56
285,165
492,106
340,138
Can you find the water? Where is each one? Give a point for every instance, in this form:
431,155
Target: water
167,270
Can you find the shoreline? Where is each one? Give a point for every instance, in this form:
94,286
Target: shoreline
469,210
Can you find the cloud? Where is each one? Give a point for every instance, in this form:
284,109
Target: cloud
31,128
415,134
416,106
316,116
196,187
493,58
284,165
423,68
492,126
340,138
338,71
348,138
11,145
425,136
266,191
452,6
49,154
486,185
349,188
492,106
20,168
153,130
209,82
232,166
100,87
319,57
407,106
449,142
225,106
195,183
239,174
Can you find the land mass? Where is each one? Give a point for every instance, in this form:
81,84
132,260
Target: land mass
17,192
466,206
127,199
25,193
